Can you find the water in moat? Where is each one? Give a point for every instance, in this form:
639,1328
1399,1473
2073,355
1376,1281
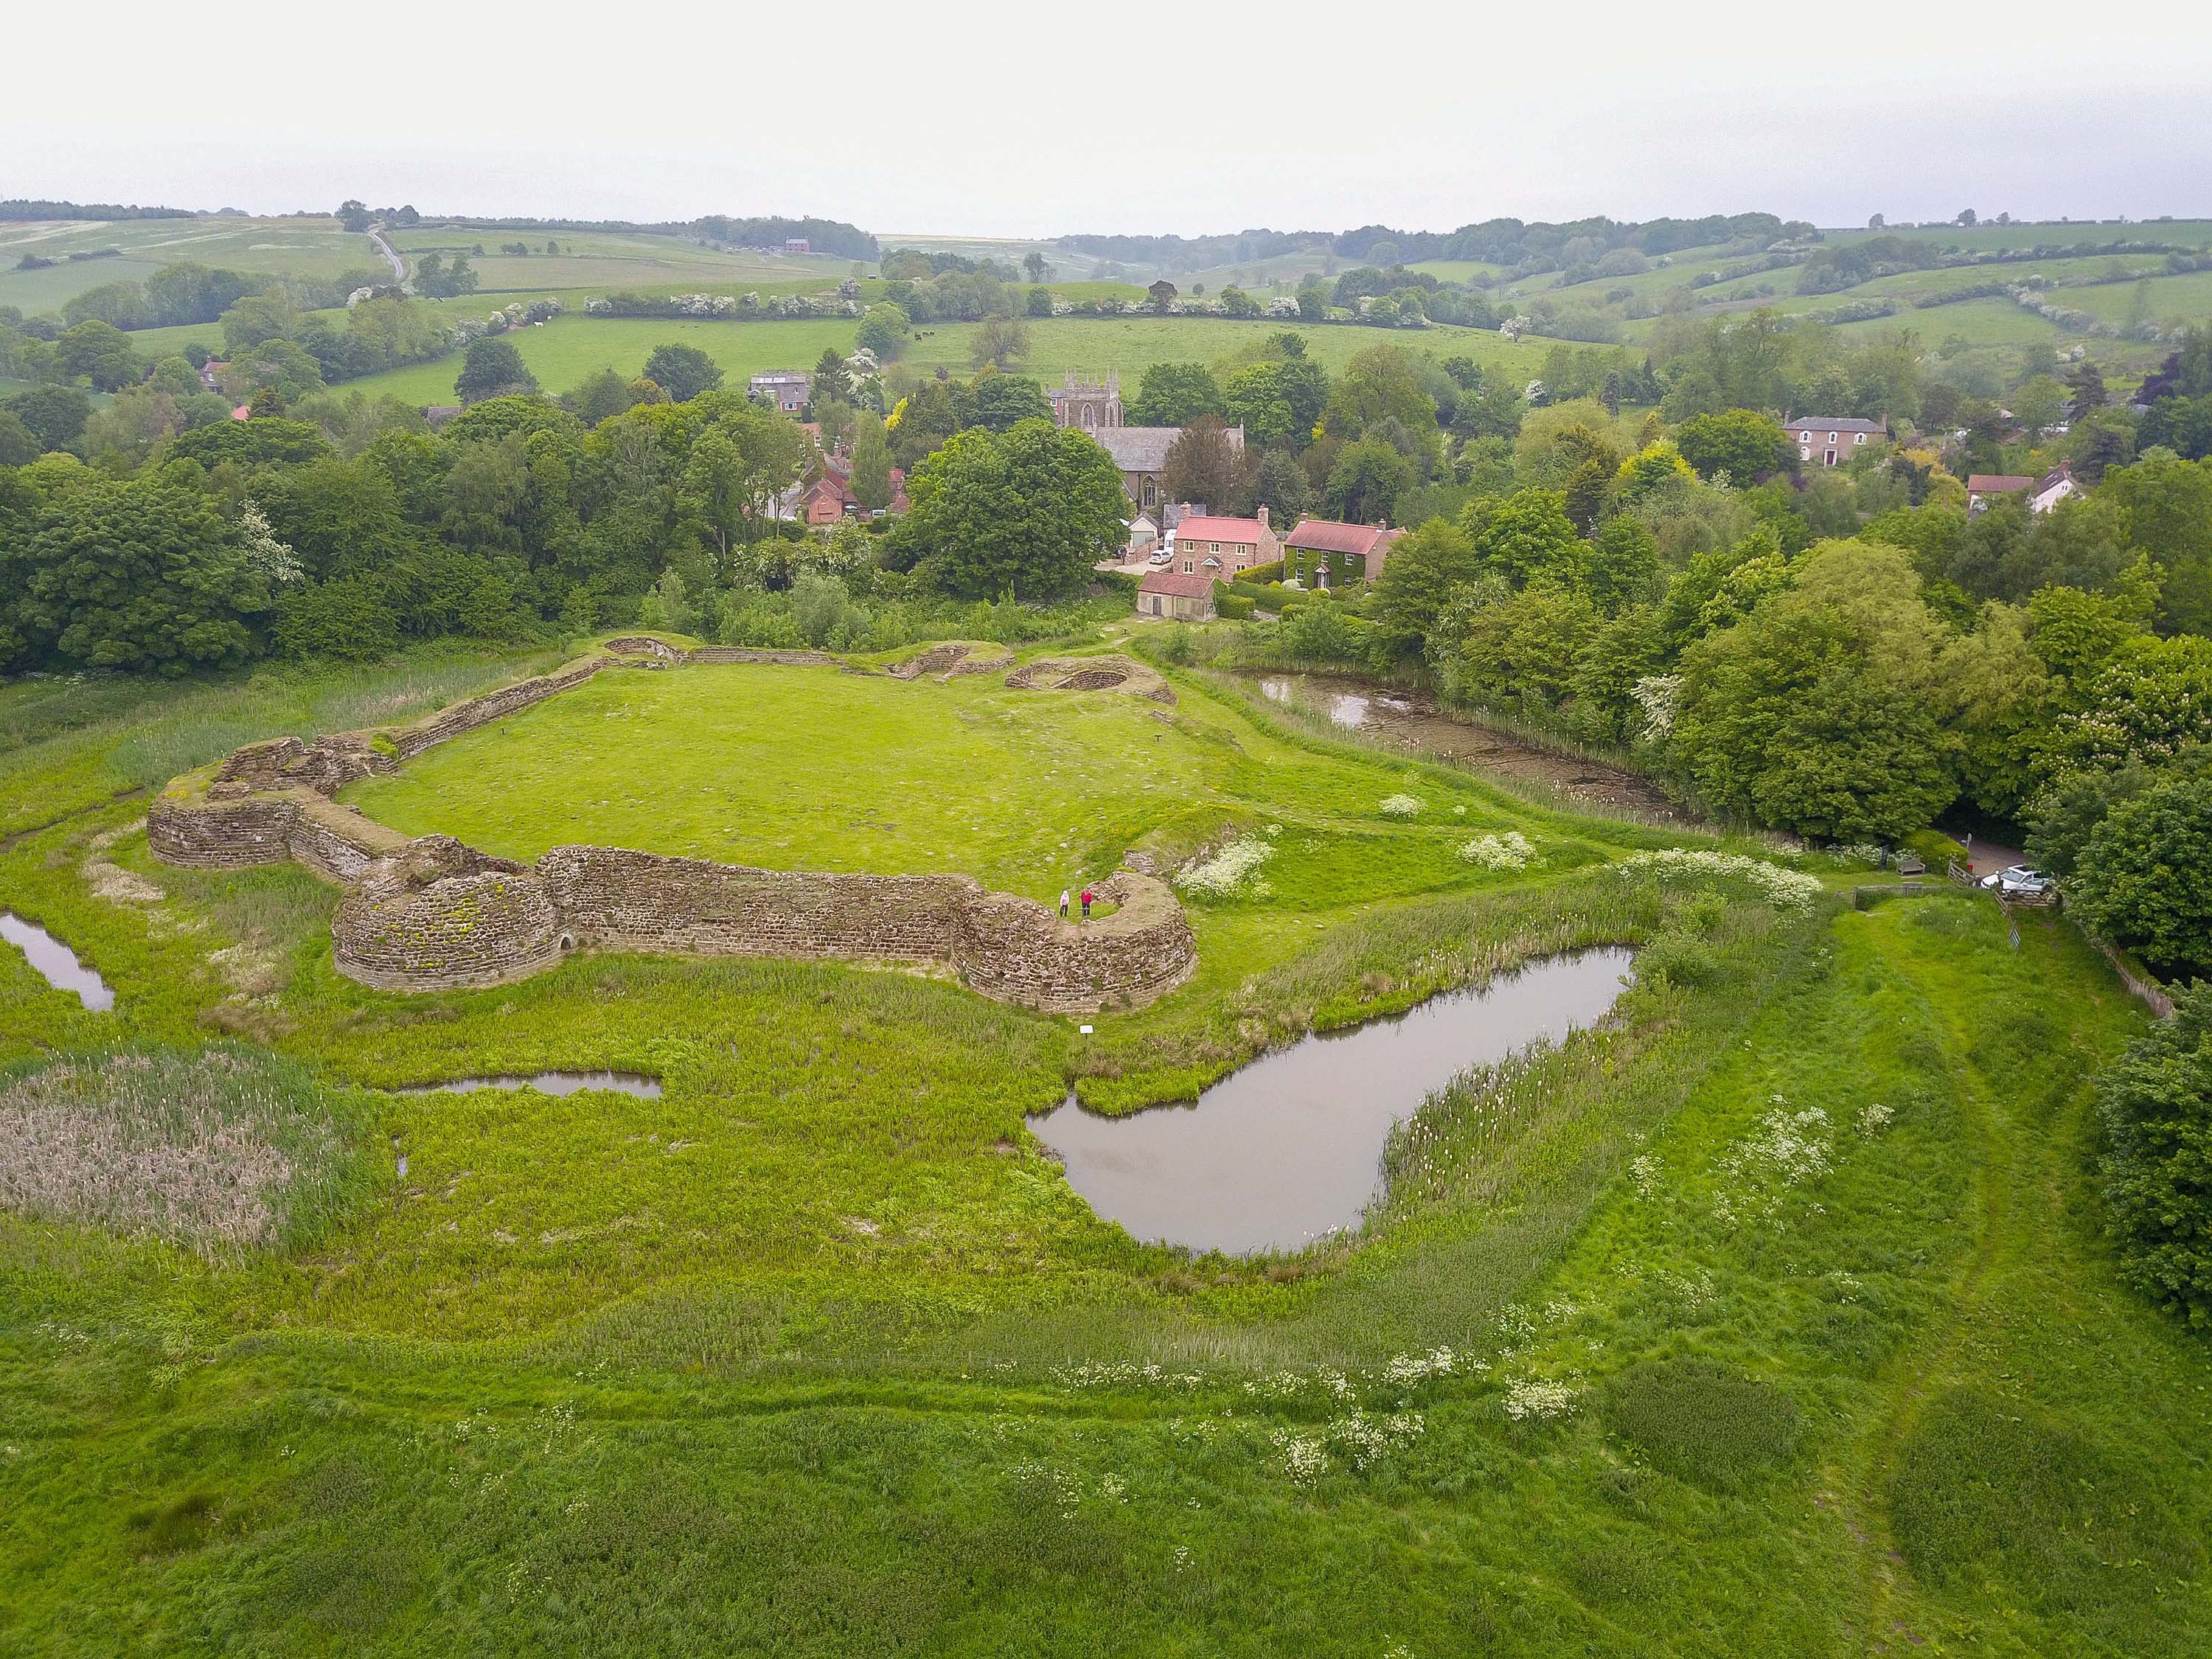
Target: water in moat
547,1082
55,963
1290,1149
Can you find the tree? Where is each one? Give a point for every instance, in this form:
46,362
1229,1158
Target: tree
1424,568
353,216
1526,537
998,402
1034,264
1740,442
1280,486
682,371
872,464
739,465
140,574
1381,383
1000,343
2154,1104
1365,483
18,447
1202,464
1621,567
602,396
1037,302
54,415
1175,394
1782,720
1027,512
2164,508
883,330
100,353
2145,878
1161,294
493,369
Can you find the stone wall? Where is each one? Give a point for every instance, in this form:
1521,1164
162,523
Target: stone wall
411,740
645,902
1014,950
442,916
221,834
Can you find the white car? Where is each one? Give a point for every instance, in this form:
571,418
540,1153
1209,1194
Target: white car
2019,879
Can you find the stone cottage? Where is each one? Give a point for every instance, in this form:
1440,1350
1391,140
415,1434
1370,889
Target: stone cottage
1172,596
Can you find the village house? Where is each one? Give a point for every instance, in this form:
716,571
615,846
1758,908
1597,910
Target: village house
798,244
1832,440
788,389
1325,553
1172,596
1219,549
2043,494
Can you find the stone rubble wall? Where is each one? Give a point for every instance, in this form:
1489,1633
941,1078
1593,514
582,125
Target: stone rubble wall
221,835
646,902
441,916
432,915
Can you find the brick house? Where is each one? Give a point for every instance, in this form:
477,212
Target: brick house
1172,596
828,502
1219,548
1832,440
1326,553
788,389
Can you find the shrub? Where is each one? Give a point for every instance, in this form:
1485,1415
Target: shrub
2155,1104
1510,851
1235,607
1401,806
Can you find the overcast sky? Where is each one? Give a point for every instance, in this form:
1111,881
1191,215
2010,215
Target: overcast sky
993,119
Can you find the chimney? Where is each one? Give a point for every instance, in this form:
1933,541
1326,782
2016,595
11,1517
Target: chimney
1385,523
1263,515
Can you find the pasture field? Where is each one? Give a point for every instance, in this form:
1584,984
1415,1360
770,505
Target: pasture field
598,262
562,352
1772,1317
2182,233
312,247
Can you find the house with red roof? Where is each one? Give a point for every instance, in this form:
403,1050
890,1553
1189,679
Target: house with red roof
828,501
1328,553
1170,595
1983,488
1217,548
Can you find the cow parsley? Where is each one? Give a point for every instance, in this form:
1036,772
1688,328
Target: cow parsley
1401,806
1510,851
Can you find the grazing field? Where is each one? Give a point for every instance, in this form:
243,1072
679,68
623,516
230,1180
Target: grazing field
601,262
278,247
1770,1317
562,352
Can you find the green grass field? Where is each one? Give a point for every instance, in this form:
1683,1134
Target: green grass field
283,247
1772,1318
565,350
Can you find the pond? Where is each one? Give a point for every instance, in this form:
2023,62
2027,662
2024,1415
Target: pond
1290,1149
1417,725
547,1083
56,963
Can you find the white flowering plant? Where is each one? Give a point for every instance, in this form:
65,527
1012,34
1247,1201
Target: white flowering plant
1233,873
1785,889
1510,851
1401,806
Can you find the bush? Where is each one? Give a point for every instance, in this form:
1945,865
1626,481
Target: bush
2155,1104
2145,878
350,618
1235,607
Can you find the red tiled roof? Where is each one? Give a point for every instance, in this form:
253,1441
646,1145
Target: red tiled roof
1177,585
1329,536
1996,483
1218,530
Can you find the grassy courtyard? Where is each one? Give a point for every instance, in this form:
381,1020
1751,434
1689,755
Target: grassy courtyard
1772,1317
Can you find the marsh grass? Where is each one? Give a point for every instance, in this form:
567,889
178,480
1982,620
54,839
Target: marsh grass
222,1152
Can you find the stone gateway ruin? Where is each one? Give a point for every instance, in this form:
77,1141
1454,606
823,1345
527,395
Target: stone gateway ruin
430,914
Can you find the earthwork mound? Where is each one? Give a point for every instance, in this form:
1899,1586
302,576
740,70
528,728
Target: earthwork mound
1108,673
950,657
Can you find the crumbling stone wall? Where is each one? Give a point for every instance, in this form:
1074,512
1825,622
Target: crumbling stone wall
729,654
221,834
411,740
1014,950
646,901
438,915
948,658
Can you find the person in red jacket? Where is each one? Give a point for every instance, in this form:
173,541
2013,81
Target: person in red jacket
1086,904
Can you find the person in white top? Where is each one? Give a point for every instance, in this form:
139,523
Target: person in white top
1063,904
